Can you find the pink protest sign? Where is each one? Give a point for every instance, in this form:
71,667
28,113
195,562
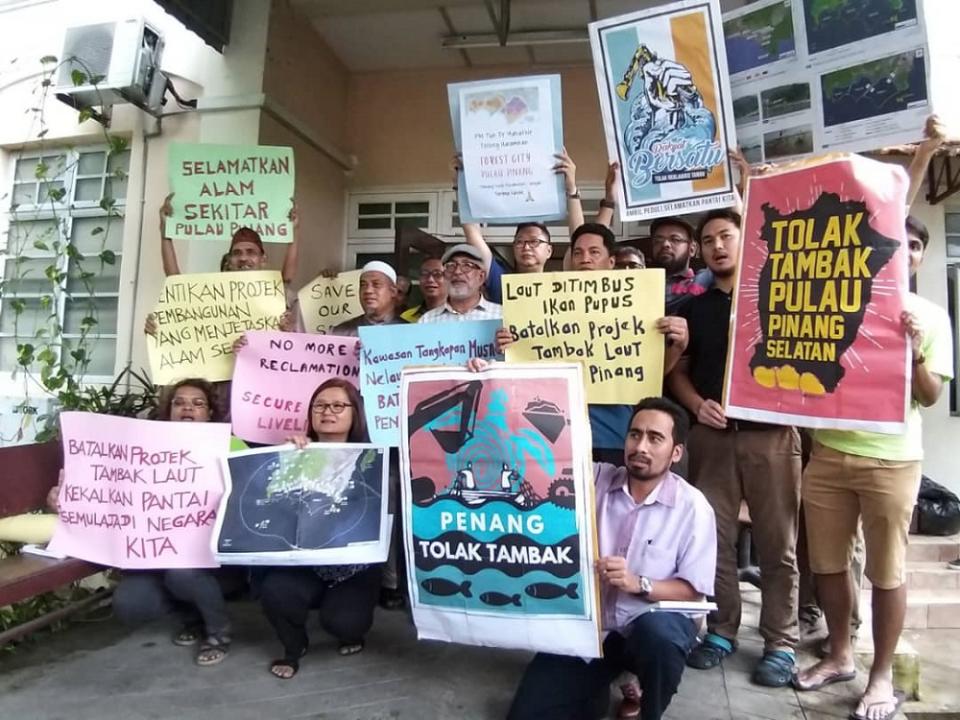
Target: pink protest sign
139,494
275,376
816,338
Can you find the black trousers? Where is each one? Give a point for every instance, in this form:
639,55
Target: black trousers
561,687
288,594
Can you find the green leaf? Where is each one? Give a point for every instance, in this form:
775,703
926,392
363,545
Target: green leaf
56,194
78,76
46,302
96,231
118,144
80,355
46,82
18,306
40,171
107,203
48,60
97,79
84,114
25,354
40,245
88,322
108,257
47,356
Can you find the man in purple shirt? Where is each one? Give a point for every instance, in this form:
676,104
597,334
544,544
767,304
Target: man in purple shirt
657,543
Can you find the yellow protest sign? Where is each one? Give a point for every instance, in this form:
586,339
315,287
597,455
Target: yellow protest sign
198,318
325,302
603,320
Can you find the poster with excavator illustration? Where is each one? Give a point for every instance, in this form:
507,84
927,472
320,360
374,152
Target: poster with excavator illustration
816,336
498,507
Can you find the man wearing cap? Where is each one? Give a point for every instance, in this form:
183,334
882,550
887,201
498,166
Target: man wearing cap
378,298
465,275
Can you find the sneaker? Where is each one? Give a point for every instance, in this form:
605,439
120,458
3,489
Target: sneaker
954,564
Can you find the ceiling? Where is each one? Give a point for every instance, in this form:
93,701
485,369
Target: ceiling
370,35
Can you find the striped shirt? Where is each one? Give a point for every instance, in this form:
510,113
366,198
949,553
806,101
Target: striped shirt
483,310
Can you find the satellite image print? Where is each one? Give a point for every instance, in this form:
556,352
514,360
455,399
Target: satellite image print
891,84
831,23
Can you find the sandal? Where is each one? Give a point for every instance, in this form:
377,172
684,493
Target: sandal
213,651
286,662
836,676
896,701
710,652
350,648
775,669
186,636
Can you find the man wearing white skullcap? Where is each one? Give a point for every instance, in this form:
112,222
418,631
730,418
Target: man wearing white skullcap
378,298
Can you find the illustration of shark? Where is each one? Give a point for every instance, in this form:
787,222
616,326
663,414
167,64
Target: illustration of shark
549,591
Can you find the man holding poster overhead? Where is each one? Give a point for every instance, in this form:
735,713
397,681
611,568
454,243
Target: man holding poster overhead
867,477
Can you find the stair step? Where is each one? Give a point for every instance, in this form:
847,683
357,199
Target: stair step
933,609
929,576
928,548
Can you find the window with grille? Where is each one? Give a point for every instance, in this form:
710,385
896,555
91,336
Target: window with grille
63,199
381,215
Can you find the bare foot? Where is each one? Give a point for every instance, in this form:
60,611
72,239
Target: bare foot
825,672
879,701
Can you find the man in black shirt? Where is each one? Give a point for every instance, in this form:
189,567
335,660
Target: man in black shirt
732,461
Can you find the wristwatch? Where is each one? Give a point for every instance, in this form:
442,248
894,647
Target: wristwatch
609,204
575,195
646,587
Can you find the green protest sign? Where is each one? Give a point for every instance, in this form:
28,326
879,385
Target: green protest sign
219,189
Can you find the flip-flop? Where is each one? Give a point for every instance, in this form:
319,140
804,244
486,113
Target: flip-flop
898,700
836,677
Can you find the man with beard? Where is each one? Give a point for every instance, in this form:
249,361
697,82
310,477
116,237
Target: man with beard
734,460
378,298
657,542
463,269
673,249
433,289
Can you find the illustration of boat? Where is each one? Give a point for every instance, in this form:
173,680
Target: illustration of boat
546,417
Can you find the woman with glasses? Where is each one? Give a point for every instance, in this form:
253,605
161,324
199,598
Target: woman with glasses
345,595
195,595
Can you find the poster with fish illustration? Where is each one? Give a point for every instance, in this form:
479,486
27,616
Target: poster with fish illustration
507,132
323,505
498,507
816,338
666,106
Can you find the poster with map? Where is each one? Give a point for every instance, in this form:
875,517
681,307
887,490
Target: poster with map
324,505
508,132
811,76
498,507
816,337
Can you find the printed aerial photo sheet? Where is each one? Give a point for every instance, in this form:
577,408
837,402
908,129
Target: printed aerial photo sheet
810,76
666,106
498,509
323,505
816,337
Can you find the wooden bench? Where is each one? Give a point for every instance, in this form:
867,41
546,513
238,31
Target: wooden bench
27,472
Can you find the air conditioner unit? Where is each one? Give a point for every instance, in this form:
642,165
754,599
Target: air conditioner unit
123,56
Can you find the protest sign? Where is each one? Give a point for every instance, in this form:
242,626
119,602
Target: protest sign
139,494
508,131
498,511
816,338
199,317
324,505
219,189
603,320
275,376
325,302
809,77
386,349
665,100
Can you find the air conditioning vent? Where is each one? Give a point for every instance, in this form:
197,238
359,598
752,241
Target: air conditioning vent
87,49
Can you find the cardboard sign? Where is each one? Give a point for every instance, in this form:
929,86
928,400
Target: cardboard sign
324,505
816,336
667,114
498,508
200,316
139,494
275,376
603,320
386,350
326,302
219,189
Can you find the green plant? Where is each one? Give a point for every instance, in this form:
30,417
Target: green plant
45,270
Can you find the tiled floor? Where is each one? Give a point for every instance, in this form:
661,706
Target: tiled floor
99,671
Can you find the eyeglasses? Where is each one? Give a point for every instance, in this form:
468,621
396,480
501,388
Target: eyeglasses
336,408
196,403
465,267
531,244
630,265
672,239
431,274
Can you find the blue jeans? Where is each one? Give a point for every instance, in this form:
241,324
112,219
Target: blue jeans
561,687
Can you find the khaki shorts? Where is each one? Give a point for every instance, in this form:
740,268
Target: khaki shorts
838,489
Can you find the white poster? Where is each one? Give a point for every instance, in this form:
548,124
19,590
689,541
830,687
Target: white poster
811,76
508,132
